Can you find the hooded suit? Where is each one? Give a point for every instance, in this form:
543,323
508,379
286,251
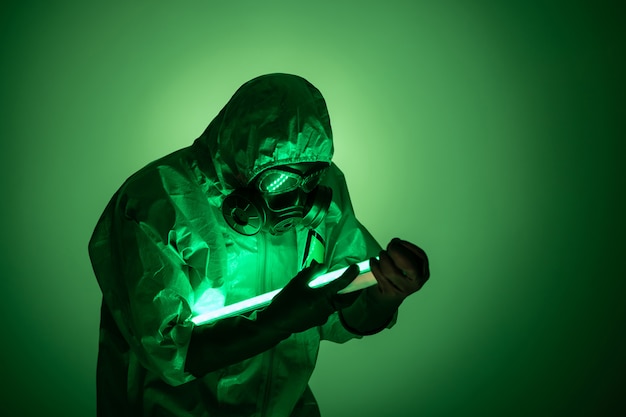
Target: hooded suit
163,252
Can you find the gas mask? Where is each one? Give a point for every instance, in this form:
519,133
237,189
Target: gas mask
277,200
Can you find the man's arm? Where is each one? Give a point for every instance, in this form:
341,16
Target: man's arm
296,308
402,270
368,314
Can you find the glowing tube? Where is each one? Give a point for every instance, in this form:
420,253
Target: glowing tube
363,280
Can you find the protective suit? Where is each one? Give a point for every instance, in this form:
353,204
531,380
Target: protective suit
163,252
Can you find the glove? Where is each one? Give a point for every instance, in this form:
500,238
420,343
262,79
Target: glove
298,307
402,270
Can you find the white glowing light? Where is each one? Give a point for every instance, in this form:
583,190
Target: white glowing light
277,183
363,280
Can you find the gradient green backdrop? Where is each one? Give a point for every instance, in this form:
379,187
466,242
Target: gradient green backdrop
490,134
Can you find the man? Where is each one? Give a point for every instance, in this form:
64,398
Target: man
254,205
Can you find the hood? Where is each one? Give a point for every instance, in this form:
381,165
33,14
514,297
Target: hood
271,120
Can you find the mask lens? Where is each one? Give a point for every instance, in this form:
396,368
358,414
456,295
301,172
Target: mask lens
278,182
312,181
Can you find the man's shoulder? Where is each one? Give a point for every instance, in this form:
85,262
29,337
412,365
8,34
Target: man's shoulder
148,180
144,193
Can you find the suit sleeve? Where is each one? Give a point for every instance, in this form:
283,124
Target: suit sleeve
144,282
349,242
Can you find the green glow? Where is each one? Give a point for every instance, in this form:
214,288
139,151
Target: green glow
330,276
363,280
490,133
277,183
235,309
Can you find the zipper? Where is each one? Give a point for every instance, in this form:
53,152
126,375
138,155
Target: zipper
262,252
265,411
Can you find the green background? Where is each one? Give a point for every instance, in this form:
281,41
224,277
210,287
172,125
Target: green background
489,133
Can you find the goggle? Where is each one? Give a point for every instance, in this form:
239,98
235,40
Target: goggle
278,181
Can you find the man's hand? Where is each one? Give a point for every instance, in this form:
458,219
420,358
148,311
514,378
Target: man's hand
298,307
401,271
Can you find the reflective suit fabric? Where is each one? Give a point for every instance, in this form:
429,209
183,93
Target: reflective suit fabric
162,251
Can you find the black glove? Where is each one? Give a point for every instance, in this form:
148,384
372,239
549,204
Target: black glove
298,307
